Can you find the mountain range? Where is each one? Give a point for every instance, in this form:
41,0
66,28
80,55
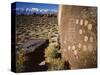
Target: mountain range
27,11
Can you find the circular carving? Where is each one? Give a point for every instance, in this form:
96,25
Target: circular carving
85,38
91,39
79,45
80,31
77,21
69,47
89,26
85,22
73,47
81,22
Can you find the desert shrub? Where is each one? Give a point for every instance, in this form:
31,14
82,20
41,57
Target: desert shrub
19,61
55,64
53,61
50,51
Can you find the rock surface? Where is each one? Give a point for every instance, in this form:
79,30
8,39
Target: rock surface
78,35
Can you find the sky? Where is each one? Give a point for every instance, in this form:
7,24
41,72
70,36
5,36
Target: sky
36,5
39,6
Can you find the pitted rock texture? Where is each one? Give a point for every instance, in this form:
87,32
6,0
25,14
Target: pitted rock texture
78,35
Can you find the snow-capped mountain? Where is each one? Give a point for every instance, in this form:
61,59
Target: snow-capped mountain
35,10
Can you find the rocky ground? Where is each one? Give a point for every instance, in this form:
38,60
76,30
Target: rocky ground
30,28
